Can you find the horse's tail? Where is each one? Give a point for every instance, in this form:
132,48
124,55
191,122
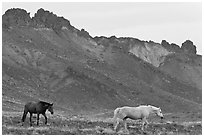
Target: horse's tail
24,114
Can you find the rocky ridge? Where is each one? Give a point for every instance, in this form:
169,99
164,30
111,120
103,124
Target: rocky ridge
46,56
153,53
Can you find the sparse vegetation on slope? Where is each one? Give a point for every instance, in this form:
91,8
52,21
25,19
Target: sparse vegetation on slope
46,58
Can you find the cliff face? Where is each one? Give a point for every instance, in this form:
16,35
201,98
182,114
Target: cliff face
151,52
46,58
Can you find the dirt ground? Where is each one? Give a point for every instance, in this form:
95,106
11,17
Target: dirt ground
75,125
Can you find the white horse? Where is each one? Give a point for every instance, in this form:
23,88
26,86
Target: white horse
141,112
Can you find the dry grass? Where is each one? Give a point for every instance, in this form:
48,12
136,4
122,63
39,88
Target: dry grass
67,126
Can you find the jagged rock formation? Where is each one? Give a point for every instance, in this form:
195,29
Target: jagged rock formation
150,52
188,47
45,57
83,33
171,47
15,17
49,20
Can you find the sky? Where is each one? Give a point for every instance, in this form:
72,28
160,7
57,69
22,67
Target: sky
174,22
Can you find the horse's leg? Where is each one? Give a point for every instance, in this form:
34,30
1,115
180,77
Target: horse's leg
24,115
125,125
116,124
114,120
38,117
143,123
45,118
146,123
31,118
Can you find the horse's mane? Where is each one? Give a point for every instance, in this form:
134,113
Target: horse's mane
144,105
44,103
156,108
148,105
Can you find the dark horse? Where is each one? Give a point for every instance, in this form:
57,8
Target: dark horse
37,108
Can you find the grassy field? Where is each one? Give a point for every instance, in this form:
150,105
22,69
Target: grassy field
75,125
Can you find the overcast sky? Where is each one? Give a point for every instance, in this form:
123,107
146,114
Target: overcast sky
174,22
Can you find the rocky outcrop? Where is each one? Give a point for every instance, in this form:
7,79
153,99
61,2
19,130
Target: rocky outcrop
16,17
49,20
188,47
170,47
151,52
43,18
83,33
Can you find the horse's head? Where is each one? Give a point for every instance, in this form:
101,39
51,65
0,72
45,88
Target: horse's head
50,108
159,113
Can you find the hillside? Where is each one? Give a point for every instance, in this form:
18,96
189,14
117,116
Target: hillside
46,58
